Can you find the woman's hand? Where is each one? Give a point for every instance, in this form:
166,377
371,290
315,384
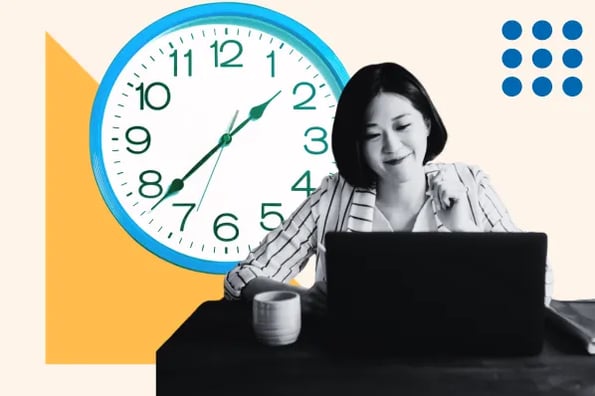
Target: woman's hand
450,196
314,299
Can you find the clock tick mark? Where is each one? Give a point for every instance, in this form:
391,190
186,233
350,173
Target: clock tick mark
203,33
309,66
225,249
180,241
160,228
271,40
130,84
136,75
225,31
117,162
237,249
115,150
215,31
120,105
316,75
327,95
169,235
120,173
291,52
191,244
192,36
282,45
129,194
181,40
301,57
170,45
202,249
116,127
249,33
115,139
150,222
124,94
238,32
151,56
118,116
330,107
123,184
260,37
160,50
143,65
136,203
214,249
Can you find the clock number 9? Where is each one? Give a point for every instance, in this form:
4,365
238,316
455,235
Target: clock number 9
217,227
301,105
136,140
264,213
321,139
228,62
164,96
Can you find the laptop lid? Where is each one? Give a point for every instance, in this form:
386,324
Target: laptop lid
436,293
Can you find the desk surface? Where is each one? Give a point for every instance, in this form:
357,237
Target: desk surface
215,352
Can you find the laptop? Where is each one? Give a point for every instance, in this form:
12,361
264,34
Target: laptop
436,293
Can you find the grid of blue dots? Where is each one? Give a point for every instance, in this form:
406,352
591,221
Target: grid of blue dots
542,58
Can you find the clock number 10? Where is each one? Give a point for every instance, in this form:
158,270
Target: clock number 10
156,95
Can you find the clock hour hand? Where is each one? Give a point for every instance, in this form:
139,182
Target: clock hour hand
178,184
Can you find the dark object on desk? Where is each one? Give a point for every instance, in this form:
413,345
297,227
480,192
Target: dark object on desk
436,293
577,318
214,352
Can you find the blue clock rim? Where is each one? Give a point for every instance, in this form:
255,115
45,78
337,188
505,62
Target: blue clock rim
166,23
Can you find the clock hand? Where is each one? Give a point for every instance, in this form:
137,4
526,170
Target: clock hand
216,161
225,139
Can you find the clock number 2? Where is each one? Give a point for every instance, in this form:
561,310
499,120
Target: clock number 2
302,104
156,101
229,62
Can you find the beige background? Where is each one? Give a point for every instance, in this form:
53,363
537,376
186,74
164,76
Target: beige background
535,149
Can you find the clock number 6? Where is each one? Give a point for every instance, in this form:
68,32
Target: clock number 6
217,228
158,100
264,213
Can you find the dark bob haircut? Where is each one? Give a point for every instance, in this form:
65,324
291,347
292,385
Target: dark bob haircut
350,117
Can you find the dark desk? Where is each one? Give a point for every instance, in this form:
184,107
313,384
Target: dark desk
214,352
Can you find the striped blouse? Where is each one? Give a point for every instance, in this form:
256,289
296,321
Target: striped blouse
337,206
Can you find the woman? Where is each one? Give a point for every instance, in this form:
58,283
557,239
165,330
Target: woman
386,130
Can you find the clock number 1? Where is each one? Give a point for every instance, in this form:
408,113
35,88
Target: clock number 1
271,55
187,55
158,100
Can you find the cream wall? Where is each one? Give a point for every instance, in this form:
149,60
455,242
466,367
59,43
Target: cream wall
537,150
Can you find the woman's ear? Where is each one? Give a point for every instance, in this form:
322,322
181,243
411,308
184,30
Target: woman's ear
428,123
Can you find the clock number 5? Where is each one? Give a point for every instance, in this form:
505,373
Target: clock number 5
266,213
156,95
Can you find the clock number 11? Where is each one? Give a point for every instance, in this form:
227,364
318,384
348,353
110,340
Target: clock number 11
187,55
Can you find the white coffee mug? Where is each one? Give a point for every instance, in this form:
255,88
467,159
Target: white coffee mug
276,317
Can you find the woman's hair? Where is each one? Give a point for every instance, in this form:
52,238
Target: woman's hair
350,117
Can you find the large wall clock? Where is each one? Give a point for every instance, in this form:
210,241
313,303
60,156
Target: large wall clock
210,127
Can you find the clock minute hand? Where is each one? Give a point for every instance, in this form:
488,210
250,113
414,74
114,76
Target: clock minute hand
178,184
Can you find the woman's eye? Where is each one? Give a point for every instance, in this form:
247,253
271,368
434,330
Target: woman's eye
370,136
401,127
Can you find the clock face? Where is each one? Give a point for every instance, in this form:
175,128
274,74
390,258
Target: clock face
211,127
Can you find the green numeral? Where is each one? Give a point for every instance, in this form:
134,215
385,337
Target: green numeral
190,207
272,56
321,140
136,140
187,55
311,89
265,213
217,228
153,186
306,180
157,88
228,62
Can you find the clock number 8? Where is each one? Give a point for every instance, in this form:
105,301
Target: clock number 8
153,186
159,89
217,228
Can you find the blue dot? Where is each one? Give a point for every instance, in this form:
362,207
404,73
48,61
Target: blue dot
512,58
542,86
512,30
572,30
542,30
572,86
512,86
572,58
542,58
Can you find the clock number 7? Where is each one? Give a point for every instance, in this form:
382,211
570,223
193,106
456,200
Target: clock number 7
190,207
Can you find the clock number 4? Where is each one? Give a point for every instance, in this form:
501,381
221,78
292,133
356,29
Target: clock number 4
305,182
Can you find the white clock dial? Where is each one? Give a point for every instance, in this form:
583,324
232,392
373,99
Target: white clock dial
232,115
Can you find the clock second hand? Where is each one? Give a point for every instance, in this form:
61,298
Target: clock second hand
227,141
178,184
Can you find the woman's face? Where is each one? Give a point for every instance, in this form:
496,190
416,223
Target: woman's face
395,139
